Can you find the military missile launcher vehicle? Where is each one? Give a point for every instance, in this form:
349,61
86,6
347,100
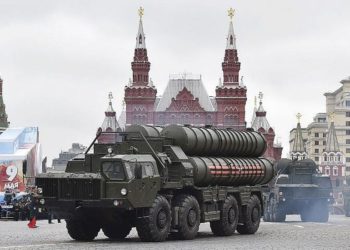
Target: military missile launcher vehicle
298,188
163,182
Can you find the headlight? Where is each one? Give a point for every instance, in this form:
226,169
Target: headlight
42,201
115,203
40,190
280,193
124,191
110,150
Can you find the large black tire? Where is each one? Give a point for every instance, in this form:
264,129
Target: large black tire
228,218
305,215
155,226
188,217
117,229
320,211
251,216
82,229
279,215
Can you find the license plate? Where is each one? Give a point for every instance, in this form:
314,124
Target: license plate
7,206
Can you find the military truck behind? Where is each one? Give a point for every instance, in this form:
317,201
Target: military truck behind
163,182
298,188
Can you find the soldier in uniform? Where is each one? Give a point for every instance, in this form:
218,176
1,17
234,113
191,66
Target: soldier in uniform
33,208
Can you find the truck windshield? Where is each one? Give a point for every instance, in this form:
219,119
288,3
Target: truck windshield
130,169
114,170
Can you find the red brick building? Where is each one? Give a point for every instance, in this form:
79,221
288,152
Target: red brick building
261,124
185,99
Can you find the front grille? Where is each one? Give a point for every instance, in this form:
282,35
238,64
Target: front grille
70,188
80,189
49,186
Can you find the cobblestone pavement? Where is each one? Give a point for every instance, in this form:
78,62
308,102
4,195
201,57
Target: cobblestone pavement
292,234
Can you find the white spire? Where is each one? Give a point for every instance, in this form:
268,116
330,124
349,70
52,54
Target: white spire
140,37
231,38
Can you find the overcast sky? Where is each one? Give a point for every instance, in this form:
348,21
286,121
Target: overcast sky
59,59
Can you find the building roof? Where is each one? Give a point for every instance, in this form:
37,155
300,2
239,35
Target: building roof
193,85
140,37
231,38
260,120
298,145
122,119
332,141
110,120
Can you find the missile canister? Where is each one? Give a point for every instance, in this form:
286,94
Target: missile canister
216,142
231,171
146,130
284,166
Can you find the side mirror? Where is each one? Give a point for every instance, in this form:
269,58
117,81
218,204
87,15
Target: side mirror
24,167
138,171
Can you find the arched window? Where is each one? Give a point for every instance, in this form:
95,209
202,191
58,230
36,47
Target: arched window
209,120
140,39
173,119
335,171
230,120
339,158
161,120
231,40
197,119
327,171
324,157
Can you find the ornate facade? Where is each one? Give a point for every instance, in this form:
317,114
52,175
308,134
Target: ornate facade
109,124
261,124
333,165
185,99
3,116
298,151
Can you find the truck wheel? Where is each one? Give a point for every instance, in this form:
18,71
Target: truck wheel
305,215
81,229
251,216
189,217
118,229
155,226
228,219
279,215
320,211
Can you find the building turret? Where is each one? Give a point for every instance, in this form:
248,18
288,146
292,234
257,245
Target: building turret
298,151
3,116
332,162
109,124
261,124
140,95
231,97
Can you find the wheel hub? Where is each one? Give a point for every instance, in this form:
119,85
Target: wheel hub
231,215
192,217
161,219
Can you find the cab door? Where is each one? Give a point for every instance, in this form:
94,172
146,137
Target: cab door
145,186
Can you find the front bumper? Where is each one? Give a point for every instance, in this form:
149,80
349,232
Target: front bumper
66,207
